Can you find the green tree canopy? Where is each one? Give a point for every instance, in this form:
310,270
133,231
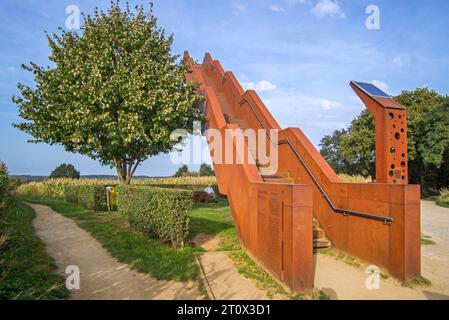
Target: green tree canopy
114,91
65,171
182,171
206,170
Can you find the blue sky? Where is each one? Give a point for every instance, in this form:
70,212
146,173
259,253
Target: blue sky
298,54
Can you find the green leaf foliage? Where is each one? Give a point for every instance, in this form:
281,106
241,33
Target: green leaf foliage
65,171
114,91
206,170
4,186
91,197
159,212
352,151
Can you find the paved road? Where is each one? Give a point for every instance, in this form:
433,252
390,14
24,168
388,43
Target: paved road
102,276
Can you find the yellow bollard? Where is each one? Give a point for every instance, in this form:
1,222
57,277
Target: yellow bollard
111,197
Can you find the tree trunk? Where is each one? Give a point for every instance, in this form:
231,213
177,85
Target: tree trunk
126,170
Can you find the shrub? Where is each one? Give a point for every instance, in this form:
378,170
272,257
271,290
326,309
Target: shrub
206,171
91,197
65,171
160,212
4,186
443,199
71,193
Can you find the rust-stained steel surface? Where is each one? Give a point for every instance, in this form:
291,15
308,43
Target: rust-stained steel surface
378,223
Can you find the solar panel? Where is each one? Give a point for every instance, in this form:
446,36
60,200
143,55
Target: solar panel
371,89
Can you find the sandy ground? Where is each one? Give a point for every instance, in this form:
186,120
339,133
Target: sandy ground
224,281
435,258
341,281
101,276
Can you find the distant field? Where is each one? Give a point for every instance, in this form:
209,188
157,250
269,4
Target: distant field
30,178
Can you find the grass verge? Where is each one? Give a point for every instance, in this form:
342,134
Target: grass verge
26,271
443,204
215,219
427,241
128,246
344,257
417,282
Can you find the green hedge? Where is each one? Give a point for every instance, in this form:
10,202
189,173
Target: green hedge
91,197
160,212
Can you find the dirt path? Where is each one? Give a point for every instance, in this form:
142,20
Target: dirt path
101,276
341,281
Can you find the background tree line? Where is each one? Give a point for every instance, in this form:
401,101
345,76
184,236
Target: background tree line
352,150
205,171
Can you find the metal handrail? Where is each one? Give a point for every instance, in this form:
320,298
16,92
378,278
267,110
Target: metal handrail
385,219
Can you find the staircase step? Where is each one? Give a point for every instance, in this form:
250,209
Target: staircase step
318,233
278,179
321,243
279,175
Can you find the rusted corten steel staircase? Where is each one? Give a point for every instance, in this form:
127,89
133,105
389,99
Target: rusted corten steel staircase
278,214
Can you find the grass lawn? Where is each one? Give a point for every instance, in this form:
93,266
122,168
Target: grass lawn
215,219
26,271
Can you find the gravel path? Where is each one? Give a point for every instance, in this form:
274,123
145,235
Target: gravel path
341,281
102,277
435,258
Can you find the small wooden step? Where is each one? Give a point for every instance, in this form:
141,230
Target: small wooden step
279,180
319,236
318,233
321,243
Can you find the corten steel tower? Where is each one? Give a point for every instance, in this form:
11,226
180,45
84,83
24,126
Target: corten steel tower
391,133
276,213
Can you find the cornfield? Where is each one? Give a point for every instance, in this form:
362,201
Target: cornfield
55,187
354,179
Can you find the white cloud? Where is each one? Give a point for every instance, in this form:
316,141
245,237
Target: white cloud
328,105
381,85
329,8
262,85
238,8
276,8
401,60
289,103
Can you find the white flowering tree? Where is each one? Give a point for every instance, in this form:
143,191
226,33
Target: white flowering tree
114,91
